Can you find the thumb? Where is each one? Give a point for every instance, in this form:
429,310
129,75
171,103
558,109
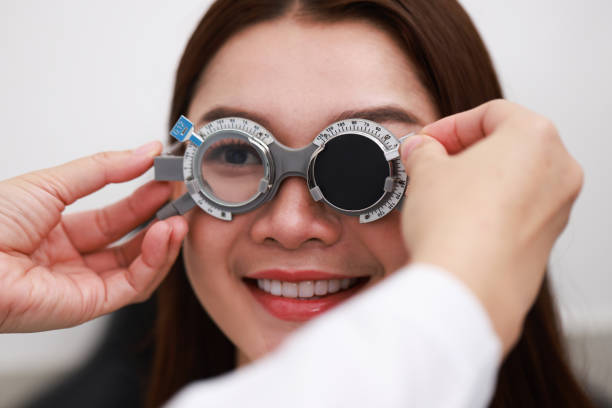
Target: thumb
421,149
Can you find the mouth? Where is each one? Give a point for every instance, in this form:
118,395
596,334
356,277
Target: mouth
300,300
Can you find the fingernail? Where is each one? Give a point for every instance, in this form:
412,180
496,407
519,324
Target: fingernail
147,149
166,230
410,144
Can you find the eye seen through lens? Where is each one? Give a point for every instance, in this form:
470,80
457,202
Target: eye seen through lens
351,172
232,169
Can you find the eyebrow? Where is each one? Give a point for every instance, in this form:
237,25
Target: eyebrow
380,114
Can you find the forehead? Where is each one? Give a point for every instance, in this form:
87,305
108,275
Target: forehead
300,76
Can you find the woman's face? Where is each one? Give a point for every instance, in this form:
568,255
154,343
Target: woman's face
296,78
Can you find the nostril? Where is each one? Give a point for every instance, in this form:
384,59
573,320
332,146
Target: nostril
311,240
270,241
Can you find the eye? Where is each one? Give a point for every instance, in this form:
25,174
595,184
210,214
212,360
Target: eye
232,170
235,152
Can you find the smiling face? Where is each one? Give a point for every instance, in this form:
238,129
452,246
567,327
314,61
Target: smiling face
296,78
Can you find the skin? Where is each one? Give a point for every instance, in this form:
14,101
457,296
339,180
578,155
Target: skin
285,72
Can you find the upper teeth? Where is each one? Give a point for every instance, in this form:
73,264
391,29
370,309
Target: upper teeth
304,289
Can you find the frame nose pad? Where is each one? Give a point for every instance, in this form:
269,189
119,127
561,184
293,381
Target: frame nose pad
316,193
290,162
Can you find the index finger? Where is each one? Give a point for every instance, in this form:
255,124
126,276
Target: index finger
460,131
78,178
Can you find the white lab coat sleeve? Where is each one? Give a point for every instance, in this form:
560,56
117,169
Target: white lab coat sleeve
419,338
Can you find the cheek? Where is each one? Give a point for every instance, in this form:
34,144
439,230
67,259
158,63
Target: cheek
383,239
205,253
200,242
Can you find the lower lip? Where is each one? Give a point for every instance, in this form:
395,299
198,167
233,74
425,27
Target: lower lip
299,310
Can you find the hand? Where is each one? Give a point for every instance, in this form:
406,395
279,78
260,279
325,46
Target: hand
58,270
490,213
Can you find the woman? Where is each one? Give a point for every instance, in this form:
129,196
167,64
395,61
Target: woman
297,65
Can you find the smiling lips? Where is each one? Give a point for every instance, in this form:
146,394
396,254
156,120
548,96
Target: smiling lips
300,295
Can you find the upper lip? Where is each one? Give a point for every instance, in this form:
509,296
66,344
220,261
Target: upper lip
295,275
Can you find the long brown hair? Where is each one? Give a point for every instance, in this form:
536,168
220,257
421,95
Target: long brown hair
454,66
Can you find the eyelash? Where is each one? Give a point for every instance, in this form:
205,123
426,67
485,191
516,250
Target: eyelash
218,151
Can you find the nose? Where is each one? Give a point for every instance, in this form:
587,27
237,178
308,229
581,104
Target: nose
293,219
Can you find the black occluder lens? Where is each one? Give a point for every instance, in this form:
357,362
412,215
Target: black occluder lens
351,172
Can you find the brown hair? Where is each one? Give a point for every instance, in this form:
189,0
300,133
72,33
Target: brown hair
454,66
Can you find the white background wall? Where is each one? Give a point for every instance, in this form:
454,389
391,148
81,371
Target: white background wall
79,77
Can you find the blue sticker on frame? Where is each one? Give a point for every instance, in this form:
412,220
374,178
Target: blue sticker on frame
181,129
195,140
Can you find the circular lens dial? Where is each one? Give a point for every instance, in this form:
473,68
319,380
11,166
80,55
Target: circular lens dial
351,171
227,168
357,169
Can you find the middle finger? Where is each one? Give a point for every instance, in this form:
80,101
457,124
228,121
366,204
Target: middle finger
91,230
